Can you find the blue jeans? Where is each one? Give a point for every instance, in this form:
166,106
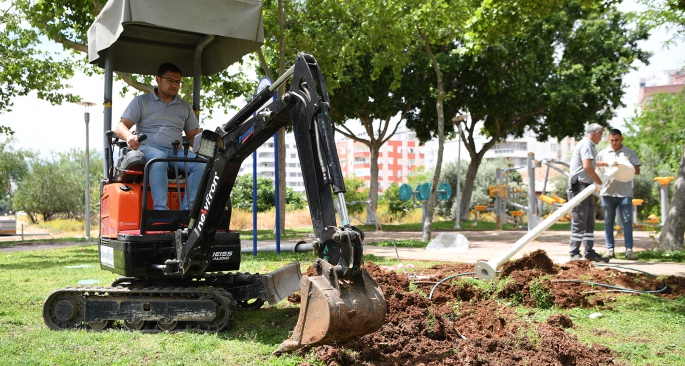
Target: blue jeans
158,175
625,208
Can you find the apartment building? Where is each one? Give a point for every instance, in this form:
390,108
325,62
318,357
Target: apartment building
266,165
398,159
668,81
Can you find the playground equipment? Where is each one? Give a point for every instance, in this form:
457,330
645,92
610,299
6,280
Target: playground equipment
518,218
664,182
623,172
477,209
636,202
504,193
422,193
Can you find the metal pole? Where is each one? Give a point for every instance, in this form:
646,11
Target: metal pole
107,112
533,216
498,201
276,186
86,118
664,203
254,203
457,198
424,208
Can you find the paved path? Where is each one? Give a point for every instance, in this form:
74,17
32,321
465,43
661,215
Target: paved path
486,245
483,245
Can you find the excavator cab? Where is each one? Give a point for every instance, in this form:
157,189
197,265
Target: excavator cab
173,273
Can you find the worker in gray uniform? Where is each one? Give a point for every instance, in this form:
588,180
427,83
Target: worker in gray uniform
582,168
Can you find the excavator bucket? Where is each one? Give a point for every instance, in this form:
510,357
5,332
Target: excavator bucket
334,309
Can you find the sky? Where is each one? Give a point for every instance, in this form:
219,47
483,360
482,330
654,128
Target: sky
45,128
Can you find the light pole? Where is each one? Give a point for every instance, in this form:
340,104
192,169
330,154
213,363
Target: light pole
86,117
457,197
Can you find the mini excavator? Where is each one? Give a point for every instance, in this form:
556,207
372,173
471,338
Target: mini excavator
178,267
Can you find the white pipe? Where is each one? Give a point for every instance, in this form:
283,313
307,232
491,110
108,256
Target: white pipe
488,270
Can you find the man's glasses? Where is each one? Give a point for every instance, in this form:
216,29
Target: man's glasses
170,80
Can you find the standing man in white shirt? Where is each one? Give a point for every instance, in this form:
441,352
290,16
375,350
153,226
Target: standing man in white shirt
618,195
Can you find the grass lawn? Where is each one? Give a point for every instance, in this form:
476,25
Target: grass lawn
28,277
645,329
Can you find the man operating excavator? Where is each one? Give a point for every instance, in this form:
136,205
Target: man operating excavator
163,116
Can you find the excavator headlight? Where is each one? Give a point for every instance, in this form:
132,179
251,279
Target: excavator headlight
205,144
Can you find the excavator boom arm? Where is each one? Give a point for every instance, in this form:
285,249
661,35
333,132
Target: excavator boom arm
342,301
305,106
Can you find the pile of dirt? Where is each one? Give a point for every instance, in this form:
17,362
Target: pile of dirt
464,324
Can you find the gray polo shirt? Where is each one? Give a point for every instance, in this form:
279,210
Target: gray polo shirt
585,149
161,122
613,187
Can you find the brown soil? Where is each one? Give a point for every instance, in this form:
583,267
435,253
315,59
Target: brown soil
466,325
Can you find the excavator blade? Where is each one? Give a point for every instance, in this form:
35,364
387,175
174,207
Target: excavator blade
335,309
281,283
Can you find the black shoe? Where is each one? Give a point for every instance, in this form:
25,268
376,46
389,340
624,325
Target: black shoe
576,256
594,257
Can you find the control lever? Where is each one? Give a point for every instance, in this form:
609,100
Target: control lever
186,146
175,144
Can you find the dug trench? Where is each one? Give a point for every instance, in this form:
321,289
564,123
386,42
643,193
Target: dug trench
466,324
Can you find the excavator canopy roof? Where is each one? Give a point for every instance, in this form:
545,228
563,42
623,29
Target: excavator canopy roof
143,34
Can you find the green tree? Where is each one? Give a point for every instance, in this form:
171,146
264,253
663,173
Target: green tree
294,200
668,13
391,198
331,31
355,195
24,67
241,196
66,22
554,76
56,188
13,168
671,13
644,186
660,125
399,30
659,131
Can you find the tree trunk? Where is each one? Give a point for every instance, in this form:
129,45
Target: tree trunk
375,142
671,237
427,230
467,189
373,178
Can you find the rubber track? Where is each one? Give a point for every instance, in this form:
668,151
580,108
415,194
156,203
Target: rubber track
135,293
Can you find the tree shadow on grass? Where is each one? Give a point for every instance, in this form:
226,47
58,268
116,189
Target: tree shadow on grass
269,326
52,258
